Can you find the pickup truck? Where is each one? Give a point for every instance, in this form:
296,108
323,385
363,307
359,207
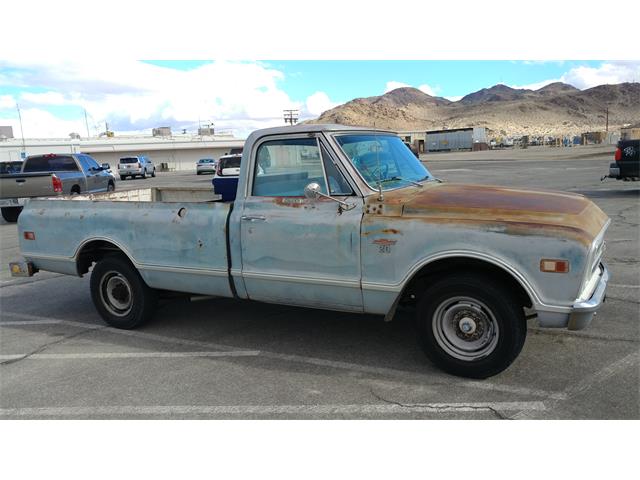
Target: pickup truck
44,175
339,218
627,161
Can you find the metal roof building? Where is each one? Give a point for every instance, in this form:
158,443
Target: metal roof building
178,152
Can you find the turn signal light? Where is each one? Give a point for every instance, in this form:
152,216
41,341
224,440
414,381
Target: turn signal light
29,235
554,266
618,155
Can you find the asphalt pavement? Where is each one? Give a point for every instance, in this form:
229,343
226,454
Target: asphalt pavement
220,358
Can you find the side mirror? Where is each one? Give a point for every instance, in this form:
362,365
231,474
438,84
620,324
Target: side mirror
312,191
106,166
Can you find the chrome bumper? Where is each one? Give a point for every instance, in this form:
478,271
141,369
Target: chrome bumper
581,313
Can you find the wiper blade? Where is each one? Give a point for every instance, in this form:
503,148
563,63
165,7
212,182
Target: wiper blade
392,179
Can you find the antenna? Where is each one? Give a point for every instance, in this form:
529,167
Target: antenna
21,130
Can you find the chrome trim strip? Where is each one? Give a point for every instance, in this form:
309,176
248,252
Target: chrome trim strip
189,270
298,279
595,301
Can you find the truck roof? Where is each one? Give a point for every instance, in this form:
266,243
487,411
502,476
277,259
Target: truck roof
307,128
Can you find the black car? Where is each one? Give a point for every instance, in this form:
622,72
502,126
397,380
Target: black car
627,161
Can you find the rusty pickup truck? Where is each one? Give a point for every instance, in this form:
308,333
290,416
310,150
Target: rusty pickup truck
339,218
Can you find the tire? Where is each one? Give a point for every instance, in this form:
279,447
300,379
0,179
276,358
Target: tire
11,214
144,174
153,174
198,173
75,190
495,322
123,177
111,187
119,293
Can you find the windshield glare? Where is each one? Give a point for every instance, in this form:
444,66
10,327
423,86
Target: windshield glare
383,159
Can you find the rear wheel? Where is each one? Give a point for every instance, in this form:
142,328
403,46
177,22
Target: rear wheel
119,293
11,214
470,325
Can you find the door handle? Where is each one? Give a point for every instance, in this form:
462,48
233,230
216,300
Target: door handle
253,218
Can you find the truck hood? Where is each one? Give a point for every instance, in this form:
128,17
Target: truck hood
515,211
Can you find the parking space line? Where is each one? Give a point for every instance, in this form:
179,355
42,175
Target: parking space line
110,355
603,374
349,409
622,285
401,375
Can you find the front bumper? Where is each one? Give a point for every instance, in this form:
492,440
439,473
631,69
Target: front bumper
581,313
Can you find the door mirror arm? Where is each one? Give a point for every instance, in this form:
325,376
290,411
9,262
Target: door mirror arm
312,192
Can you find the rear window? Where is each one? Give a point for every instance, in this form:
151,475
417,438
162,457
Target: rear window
206,160
10,167
54,163
230,162
129,160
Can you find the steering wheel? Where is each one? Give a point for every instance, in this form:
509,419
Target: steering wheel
374,165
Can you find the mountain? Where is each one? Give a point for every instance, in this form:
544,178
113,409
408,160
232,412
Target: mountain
557,108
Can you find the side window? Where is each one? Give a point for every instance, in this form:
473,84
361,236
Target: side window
338,185
87,162
284,167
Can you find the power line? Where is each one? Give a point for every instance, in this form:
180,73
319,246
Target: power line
290,116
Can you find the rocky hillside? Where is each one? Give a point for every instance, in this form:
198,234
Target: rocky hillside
557,109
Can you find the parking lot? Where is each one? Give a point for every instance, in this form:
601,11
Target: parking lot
220,358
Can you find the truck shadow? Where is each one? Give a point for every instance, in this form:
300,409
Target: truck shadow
613,193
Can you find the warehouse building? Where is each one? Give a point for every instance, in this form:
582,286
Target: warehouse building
472,138
178,152
417,139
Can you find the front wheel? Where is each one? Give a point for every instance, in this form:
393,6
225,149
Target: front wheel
11,214
153,173
470,326
119,293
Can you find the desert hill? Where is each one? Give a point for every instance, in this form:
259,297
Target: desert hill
556,109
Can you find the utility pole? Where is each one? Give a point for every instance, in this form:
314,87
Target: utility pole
21,131
607,128
290,116
86,122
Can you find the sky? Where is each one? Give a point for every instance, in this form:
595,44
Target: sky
240,96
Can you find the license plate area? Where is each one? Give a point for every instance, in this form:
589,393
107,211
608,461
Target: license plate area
22,269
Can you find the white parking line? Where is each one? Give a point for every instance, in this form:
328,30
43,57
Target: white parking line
109,355
454,170
389,372
622,285
603,374
351,409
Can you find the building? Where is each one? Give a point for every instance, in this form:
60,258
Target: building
6,132
631,132
417,139
178,152
471,138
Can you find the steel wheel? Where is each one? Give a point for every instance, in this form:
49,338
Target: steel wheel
465,328
116,293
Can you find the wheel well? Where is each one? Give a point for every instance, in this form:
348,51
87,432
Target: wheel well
95,251
440,268
75,188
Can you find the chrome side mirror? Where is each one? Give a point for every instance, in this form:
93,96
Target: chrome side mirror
313,190
106,166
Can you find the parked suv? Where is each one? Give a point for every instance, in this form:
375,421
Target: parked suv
136,166
225,181
206,165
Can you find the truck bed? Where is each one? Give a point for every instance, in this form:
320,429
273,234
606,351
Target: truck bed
175,237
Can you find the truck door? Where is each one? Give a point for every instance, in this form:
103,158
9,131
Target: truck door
294,250
92,176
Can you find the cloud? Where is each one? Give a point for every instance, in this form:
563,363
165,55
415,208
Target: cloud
588,77
392,85
454,98
607,73
318,103
41,123
47,98
7,102
135,96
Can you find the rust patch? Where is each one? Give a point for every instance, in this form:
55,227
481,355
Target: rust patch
295,202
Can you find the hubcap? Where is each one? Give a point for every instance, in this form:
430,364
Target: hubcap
465,328
116,293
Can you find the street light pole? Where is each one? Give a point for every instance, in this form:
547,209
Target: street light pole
21,131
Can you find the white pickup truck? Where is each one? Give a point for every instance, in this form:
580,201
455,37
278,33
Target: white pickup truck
339,218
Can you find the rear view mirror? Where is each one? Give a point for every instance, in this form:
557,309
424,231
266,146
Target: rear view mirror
106,166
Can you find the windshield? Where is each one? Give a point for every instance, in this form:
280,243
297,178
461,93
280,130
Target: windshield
206,160
383,159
